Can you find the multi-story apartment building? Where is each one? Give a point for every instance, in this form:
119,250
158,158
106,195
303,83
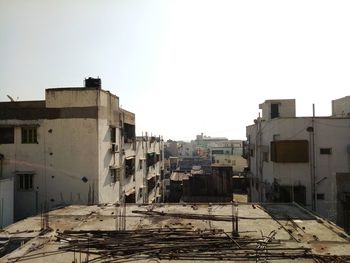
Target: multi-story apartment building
229,153
302,159
75,147
144,171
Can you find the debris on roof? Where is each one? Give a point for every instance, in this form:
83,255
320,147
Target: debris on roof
180,232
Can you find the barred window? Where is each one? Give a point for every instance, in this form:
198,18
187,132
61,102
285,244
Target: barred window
29,135
25,181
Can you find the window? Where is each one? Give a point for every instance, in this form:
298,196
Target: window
129,132
290,151
151,183
129,167
29,135
7,135
274,110
25,181
217,152
140,192
115,174
325,150
151,157
251,152
320,196
140,164
113,134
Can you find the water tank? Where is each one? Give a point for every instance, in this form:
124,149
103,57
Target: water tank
93,83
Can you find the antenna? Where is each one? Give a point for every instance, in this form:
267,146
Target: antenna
11,99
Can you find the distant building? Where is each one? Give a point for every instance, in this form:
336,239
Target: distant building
203,143
186,149
302,159
229,153
75,147
171,149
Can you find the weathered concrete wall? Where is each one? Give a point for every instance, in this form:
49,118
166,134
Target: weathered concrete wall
6,201
79,97
341,107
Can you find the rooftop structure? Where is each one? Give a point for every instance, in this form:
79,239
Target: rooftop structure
188,232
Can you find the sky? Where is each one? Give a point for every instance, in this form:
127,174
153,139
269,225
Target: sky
182,66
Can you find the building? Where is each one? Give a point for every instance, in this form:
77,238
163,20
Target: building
75,147
302,159
144,170
223,232
186,149
202,144
229,153
171,149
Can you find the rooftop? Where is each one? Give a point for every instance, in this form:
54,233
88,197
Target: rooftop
181,232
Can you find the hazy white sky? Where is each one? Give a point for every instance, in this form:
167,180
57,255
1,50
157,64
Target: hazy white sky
184,67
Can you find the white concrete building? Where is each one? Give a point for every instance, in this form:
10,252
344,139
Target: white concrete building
75,147
302,159
143,184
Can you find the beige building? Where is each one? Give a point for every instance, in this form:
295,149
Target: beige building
75,147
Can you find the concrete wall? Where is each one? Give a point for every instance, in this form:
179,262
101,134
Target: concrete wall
70,156
341,107
58,163
6,201
108,189
79,97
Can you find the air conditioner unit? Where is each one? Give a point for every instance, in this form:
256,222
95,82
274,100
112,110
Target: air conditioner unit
114,148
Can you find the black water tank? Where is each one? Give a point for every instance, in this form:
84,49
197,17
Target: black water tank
93,83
